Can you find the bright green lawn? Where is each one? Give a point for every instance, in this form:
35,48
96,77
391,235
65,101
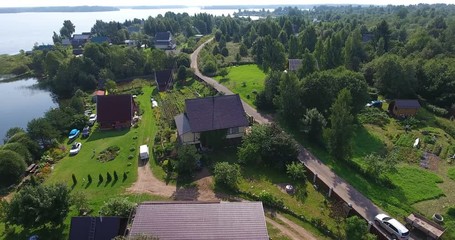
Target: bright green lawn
85,163
246,80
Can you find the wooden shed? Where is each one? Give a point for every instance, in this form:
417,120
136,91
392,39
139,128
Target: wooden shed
404,107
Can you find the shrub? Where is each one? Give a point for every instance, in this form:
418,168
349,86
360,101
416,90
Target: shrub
451,212
12,167
108,177
108,154
227,174
120,207
373,116
437,110
270,200
296,171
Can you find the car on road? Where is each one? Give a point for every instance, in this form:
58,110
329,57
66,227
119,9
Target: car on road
86,132
392,226
73,134
75,148
92,119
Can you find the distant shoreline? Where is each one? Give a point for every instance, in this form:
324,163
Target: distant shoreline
58,9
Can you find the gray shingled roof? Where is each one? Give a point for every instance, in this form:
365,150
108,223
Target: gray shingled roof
213,113
104,228
183,126
407,103
197,220
163,36
295,64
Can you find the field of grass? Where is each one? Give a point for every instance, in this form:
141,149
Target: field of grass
246,80
85,163
9,64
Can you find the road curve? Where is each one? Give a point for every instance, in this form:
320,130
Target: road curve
366,208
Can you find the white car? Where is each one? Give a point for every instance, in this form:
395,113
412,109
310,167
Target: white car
92,119
75,148
392,226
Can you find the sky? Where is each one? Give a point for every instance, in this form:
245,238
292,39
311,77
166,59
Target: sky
36,3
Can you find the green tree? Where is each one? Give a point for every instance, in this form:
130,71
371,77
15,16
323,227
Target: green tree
378,165
309,64
120,207
41,130
11,132
20,149
264,100
296,171
288,100
68,29
12,167
227,174
187,159
36,206
383,31
355,228
181,73
293,46
353,51
243,50
111,86
339,134
308,38
313,122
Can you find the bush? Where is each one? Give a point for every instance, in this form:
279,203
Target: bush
12,167
437,110
270,200
296,171
119,207
227,174
373,116
451,212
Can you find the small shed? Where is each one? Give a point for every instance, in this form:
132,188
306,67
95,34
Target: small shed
404,107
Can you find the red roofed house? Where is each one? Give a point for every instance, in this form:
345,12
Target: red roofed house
404,107
97,93
115,111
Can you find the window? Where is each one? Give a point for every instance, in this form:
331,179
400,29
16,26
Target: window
234,130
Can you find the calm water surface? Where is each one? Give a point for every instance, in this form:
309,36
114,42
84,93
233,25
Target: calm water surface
23,30
20,102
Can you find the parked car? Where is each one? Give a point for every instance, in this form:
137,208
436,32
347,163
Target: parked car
92,119
87,112
392,226
75,148
86,131
73,134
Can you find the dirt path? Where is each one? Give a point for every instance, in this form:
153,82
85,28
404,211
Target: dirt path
290,229
205,186
148,183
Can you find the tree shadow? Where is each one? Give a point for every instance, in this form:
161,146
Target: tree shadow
125,176
99,183
223,80
88,184
114,182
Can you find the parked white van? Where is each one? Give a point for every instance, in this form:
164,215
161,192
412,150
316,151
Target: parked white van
392,226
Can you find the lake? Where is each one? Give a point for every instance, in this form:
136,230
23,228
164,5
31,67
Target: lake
22,101
23,30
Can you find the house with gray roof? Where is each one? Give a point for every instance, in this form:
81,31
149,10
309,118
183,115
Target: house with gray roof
294,64
200,220
213,113
165,41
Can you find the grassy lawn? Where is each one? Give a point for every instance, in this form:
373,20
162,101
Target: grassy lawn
308,202
85,163
246,80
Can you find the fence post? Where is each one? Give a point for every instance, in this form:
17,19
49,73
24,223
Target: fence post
330,191
315,177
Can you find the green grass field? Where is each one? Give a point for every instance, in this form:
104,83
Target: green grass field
246,80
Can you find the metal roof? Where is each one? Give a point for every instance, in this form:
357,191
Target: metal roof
407,103
295,64
100,228
198,220
183,126
112,108
216,112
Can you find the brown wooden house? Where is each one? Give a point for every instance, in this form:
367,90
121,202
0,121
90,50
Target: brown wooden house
404,107
115,111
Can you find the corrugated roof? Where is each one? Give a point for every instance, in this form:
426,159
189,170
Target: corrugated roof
112,108
295,64
183,126
407,103
216,112
104,228
195,220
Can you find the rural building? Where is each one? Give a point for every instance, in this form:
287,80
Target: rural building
200,220
295,64
97,93
103,228
79,40
210,114
115,111
404,107
164,40
164,80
